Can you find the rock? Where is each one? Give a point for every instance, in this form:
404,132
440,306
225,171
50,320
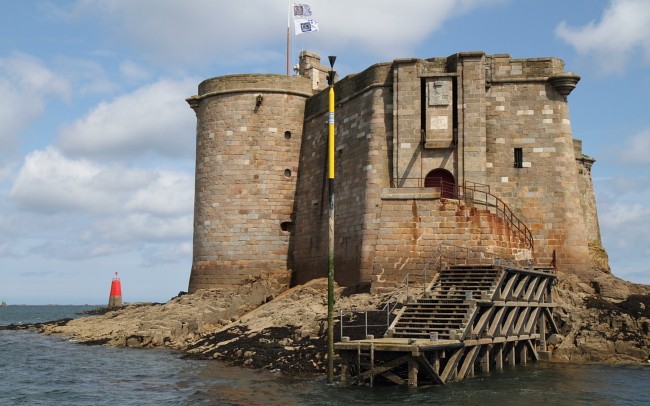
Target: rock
242,326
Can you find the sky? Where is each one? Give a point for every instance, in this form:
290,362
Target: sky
97,142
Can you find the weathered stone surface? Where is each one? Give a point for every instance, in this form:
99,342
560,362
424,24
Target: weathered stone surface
604,325
176,323
289,332
466,115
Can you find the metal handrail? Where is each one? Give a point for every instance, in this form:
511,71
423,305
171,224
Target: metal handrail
479,193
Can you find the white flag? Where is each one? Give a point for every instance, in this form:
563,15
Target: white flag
301,10
302,26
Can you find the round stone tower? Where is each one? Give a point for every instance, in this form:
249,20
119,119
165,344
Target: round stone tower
248,138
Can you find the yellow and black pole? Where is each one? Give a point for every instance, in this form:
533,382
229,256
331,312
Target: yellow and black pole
330,253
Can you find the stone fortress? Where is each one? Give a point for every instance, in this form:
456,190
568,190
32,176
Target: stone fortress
473,150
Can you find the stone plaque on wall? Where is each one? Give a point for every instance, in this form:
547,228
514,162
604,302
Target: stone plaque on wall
439,91
439,112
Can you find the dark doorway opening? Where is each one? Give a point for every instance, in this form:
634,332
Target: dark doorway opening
443,179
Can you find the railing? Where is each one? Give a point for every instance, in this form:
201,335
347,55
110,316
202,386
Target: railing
476,193
410,285
419,283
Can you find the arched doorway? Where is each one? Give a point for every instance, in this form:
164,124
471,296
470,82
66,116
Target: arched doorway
443,179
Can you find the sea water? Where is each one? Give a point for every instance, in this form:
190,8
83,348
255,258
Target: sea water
47,370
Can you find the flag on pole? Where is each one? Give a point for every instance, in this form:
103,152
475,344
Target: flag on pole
301,10
303,26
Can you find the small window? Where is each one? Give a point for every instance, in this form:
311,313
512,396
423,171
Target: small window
519,157
286,226
287,135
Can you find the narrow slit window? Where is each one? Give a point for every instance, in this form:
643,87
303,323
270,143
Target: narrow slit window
519,157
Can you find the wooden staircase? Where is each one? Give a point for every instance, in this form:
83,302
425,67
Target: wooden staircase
446,310
470,318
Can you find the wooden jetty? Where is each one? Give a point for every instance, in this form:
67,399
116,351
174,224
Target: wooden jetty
470,318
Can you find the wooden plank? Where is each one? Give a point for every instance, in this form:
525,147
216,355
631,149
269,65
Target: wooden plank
469,361
428,368
495,322
540,289
531,346
520,286
482,322
387,366
413,373
394,378
507,324
531,288
505,292
532,321
451,364
521,319
549,317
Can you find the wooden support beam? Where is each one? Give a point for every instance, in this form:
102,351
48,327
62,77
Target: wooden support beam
520,286
542,332
464,370
498,356
485,358
507,290
413,373
532,321
495,322
429,369
452,362
372,364
549,315
512,361
387,366
507,324
345,369
482,322
523,353
531,288
394,378
359,374
521,318
540,289
531,347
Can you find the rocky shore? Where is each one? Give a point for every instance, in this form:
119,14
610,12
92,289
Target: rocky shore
262,324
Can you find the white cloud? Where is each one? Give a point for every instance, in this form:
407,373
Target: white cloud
161,196
25,85
133,71
623,29
202,31
75,209
381,28
49,182
152,119
637,151
86,76
625,216
145,227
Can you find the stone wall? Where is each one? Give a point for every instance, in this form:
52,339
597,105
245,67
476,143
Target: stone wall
363,112
525,111
412,228
261,175
588,196
248,141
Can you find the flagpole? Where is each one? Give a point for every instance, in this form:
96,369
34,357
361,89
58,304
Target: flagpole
288,35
